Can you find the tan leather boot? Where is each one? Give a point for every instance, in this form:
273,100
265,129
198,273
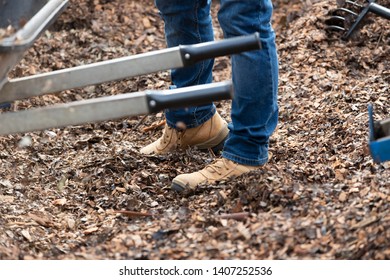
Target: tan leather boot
220,170
211,134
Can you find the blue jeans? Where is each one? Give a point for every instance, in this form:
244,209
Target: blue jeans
254,110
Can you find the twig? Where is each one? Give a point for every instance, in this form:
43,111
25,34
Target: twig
380,38
240,216
154,126
141,121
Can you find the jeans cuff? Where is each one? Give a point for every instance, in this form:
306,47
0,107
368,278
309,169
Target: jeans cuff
245,161
192,121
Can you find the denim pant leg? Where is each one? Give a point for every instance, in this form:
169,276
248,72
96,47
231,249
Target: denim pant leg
255,78
188,22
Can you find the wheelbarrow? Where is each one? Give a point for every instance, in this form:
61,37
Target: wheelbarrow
29,19
39,15
350,16
379,137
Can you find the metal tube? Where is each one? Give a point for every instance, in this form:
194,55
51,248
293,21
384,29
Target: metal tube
110,107
380,10
74,113
116,69
90,74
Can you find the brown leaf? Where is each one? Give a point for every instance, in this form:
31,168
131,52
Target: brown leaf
343,196
366,222
43,221
240,216
91,230
60,201
6,198
245,232
26,234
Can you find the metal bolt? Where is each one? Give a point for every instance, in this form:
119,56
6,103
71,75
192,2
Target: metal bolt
187,56
152,103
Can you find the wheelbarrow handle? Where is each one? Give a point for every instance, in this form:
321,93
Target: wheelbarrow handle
190,96
380,10
198,52
111,107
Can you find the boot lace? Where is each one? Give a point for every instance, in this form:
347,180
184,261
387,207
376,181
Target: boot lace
217,166
167,135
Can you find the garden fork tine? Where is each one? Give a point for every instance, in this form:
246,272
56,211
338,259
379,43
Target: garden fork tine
338,21
351,23
371,7
342,3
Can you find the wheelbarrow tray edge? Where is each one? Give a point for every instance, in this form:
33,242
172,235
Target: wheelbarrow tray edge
25,37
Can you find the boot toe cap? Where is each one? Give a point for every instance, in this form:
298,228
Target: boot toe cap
187,181
147,150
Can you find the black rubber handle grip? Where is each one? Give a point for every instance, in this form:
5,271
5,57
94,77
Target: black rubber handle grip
380,10
188,96
198,52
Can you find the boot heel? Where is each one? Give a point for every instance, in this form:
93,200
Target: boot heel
217,149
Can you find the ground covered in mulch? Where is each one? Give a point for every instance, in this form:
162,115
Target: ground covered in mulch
85,192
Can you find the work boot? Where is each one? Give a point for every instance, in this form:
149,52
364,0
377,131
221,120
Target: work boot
220,170
211,134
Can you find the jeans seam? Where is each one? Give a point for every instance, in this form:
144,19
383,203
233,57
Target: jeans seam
272,90
199,39
204,118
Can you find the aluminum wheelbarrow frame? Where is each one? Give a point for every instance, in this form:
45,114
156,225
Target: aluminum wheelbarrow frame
37,15
110,107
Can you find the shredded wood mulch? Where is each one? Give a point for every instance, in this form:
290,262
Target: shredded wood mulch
85,192
6,32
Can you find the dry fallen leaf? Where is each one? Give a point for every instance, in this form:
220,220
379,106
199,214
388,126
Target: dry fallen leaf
6,198
60,201
343,196
244,231
26,234
43,221
240,216
90,230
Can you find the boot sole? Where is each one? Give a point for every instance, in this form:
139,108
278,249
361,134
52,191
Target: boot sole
216,149
178,188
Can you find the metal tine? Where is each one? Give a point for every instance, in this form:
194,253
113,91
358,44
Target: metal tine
353,14
336,18
335,23
339,19
343,3
354,4
346,11
335,27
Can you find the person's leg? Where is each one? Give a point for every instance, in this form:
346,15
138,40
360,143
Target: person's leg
255,78
254,106
189,22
